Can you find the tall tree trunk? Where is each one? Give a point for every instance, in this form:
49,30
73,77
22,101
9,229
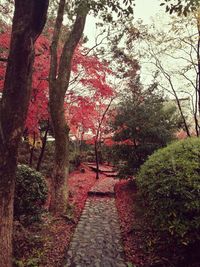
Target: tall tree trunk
198,66
197,106
196,110
58,83
59,192
28,22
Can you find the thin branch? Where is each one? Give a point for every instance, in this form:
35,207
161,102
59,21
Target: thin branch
96,42
103,116
188,79
168,77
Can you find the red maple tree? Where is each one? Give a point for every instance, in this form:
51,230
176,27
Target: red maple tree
88,72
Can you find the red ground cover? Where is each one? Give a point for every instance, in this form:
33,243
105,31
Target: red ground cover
60,230
47,242
79,185
131,231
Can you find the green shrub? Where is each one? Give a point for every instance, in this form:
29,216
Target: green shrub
169,191
46,166
30,194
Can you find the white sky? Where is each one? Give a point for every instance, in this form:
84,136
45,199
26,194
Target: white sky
144,9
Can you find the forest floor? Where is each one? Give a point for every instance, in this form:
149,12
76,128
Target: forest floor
46,244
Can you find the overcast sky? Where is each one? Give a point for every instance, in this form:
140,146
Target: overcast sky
144,9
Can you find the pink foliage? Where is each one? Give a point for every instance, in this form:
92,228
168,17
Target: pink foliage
81,111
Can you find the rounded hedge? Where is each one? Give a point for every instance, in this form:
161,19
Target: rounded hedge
30,193
169,190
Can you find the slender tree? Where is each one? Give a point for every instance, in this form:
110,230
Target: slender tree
58,84
97,139
28,22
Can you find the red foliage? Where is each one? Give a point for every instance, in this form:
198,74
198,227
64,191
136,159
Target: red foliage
85,116
38,107
80,111
79,185
109,142
4,46
60,231
125,202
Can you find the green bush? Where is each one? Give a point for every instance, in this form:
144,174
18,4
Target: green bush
169,191
30,194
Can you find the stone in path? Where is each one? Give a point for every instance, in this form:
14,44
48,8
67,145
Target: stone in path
97,238
102,168
103,186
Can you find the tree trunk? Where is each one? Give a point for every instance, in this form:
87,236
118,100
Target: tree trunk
44,141
177,101
96,158
98,137
28,22
198,67
59,192
58,83
32,151
197,109
182,115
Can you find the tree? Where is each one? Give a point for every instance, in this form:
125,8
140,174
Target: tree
143,123
169,79
98,125
28,22
88,74
83,113
59,81
99,132
181,7
170,54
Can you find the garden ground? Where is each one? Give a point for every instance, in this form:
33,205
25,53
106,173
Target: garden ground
46,244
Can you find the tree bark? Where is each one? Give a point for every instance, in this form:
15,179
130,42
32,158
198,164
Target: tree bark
58,83
61,164
44,141
197,112
32,148
96,158
28,22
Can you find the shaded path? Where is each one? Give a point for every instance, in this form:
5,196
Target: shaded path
97,238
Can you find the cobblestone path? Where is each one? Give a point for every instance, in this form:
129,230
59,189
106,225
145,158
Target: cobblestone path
103,186
97,238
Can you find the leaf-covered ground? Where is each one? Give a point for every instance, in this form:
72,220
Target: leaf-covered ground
132,231
45,244
142,248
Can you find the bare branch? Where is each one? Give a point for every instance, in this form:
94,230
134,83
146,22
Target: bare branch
97,43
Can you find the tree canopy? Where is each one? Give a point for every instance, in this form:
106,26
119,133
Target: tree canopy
144,122
181,7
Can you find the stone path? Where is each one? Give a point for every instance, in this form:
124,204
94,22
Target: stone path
97,238
104,186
